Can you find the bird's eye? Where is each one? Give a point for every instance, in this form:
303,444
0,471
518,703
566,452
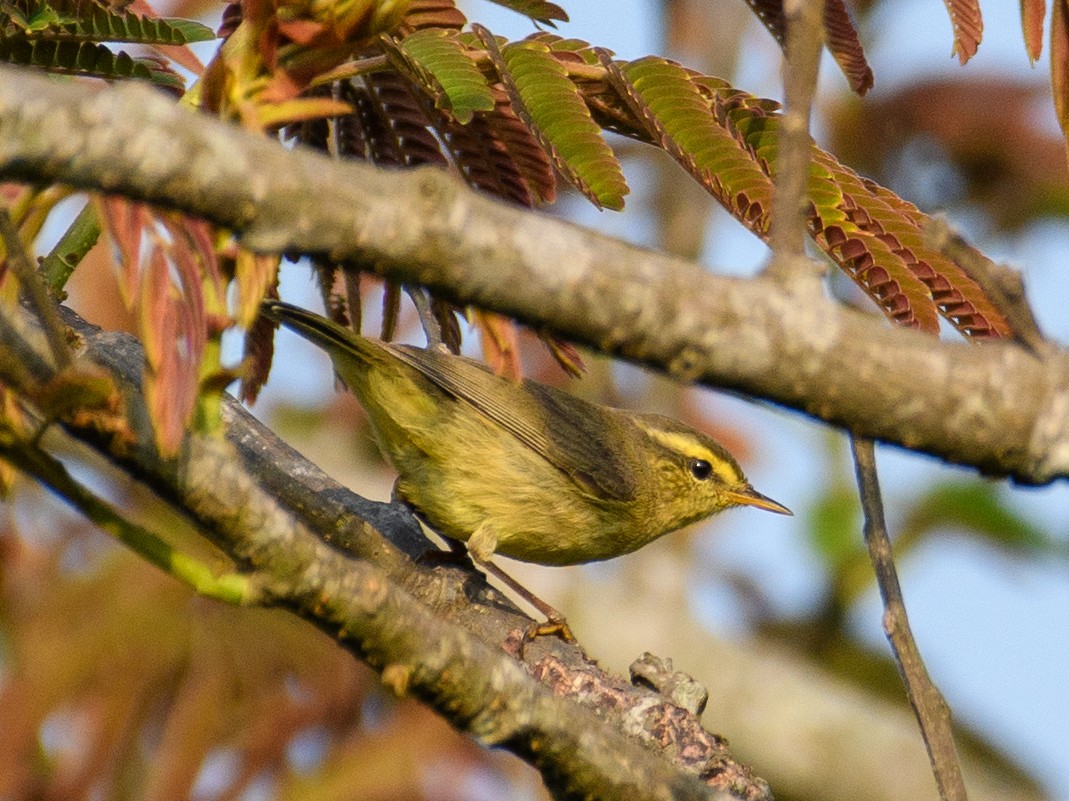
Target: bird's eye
700,469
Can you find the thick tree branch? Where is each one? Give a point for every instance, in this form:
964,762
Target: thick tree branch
996,407
434,633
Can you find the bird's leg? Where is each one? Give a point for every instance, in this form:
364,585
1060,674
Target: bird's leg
481,548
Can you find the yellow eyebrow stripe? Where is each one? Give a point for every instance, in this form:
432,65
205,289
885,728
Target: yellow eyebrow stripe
694,449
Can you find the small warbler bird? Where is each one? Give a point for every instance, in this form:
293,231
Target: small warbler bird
519,468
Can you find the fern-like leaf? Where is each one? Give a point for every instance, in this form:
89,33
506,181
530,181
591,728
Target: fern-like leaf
85,58
679,117
395,129
93,23
550,105
841,38
487,162
875,266
959,298
445,71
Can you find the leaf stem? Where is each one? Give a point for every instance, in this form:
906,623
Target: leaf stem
805,42
232,588
76,242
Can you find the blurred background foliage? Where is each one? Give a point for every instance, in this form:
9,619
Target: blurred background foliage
116,682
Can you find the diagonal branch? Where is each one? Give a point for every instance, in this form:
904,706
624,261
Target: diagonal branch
931,710
435,634
996,407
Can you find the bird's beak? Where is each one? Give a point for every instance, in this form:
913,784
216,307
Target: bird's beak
748,496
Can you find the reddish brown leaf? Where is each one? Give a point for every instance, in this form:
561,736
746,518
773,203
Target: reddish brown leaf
259,352
499,343
1059,62
255,275
842,40
126,223
968,27
529,157
485,161
433,14
1033,13
959,298
394,126
845,47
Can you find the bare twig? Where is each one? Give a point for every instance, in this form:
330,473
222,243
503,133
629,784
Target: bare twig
33,289
931,709
805,42
233,588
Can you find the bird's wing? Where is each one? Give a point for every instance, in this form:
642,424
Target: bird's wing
566,431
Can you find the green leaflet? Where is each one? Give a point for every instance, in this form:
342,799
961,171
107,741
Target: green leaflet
550,104
447,73
680,118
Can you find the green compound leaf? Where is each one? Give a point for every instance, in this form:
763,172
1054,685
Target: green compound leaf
93,23
85,58
878,268
959,298
680,118
441,65
550,105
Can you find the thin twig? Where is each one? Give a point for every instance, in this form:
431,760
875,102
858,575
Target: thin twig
76,242
34,290
805,41
232,588
351,69
931,709
422,301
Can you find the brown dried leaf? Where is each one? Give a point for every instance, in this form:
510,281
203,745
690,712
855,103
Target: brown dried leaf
968,27
1059,62
845,47
433,14
842,40
500,344
259,352
255,275
1033,13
